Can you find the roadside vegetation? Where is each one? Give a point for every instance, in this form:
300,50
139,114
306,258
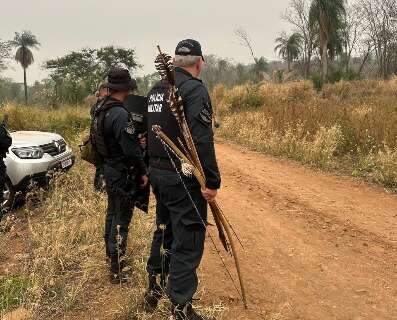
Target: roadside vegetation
349,127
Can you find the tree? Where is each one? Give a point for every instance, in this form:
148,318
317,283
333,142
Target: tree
289,47
261,64
10,91
245,41
24,42
297,14
327,18
146,83
111,56
5,49
352,31
79,73
380,22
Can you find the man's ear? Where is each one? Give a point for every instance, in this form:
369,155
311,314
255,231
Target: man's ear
199,66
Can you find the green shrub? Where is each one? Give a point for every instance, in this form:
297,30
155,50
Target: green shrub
318,82
334,75
253,98
12,291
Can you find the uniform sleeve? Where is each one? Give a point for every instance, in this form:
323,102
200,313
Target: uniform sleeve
125,133
199,116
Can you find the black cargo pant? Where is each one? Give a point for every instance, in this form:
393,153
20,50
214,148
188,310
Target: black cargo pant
120,189
178,242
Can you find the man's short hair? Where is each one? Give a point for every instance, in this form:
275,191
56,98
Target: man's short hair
186,61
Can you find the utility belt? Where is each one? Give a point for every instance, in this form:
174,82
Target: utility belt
113,159
161,163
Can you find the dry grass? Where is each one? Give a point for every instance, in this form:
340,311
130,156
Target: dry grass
67,272
67,121
350,126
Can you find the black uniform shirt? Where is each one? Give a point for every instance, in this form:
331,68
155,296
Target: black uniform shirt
198,111
5,142
121,139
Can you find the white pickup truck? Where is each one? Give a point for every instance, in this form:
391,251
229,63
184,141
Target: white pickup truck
31,159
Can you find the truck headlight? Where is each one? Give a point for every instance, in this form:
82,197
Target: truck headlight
28,152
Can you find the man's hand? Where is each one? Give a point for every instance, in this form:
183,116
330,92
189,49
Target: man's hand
209,194
144,181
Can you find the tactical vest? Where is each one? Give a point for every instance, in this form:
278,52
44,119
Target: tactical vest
159,113
97,134
5,141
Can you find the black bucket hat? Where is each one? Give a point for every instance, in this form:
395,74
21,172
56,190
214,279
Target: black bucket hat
120,80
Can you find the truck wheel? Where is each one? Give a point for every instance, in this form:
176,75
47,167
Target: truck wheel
8,196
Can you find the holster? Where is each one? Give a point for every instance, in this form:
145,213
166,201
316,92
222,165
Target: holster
141,197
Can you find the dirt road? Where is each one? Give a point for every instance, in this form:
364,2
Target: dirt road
317,246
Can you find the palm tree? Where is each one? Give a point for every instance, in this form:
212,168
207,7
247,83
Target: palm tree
326,18
24,42
289,47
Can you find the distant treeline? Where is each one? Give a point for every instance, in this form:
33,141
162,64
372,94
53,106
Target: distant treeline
77,75
330,40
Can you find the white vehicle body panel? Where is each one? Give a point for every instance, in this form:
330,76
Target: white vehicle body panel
19,169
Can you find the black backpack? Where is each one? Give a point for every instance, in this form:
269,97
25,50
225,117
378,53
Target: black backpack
97,133
93,149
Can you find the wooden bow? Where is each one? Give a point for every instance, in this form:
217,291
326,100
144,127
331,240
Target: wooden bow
189,157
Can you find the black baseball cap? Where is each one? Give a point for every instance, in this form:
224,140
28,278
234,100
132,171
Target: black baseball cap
189,47
120,79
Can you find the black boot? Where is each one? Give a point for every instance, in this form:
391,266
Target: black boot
117,273
153,294
187,312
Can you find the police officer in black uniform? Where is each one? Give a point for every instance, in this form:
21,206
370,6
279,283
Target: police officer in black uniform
5,143
114,136
178,242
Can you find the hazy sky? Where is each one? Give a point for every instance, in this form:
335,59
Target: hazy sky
65,25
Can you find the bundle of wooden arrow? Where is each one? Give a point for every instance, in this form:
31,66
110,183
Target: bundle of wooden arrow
190,160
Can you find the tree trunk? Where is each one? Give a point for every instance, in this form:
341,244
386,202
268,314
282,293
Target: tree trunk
347,65
366,56
289,62
25,86
324,60
308,67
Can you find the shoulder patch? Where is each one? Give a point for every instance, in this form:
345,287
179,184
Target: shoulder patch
130,128
205,115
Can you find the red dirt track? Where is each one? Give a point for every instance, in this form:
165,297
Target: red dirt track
317,246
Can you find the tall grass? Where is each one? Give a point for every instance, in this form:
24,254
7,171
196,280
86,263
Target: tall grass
349,126
68,121
67,270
